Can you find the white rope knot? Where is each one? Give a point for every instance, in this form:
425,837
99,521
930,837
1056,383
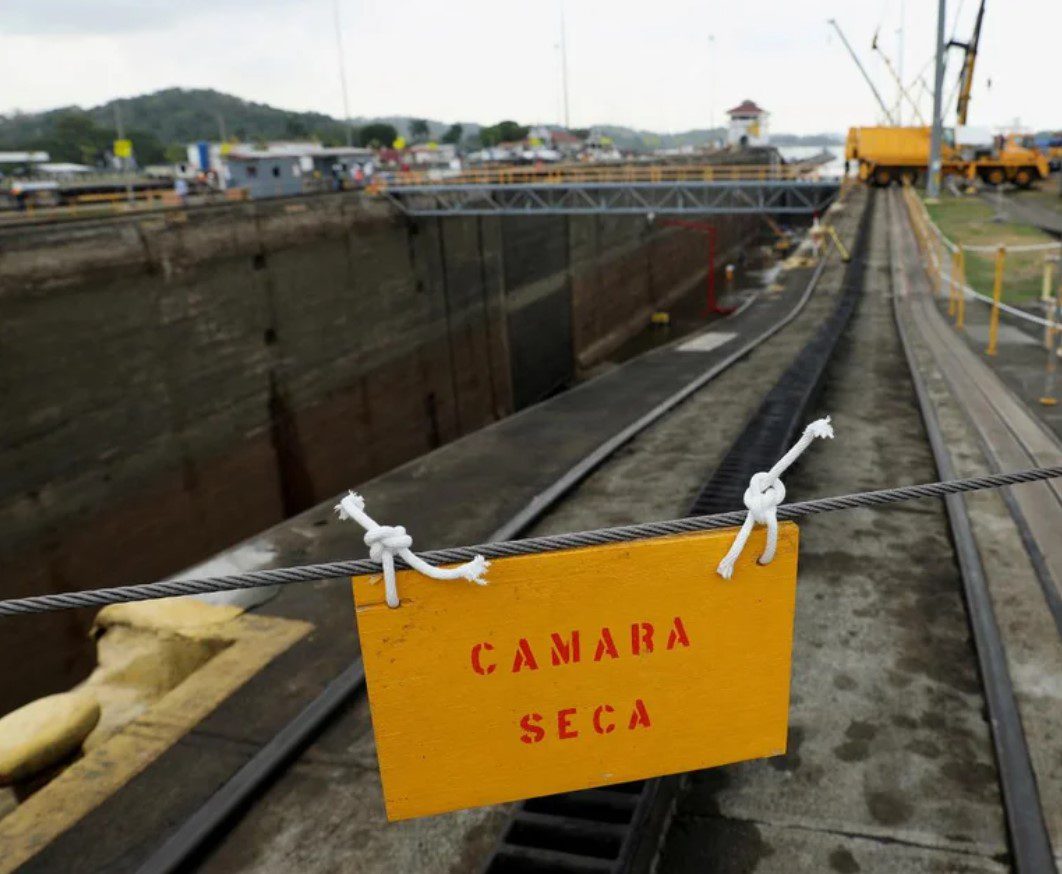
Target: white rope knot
387,541
764,495
386,537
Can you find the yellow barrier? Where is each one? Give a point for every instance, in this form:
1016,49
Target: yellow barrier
997,296
959,284
953,288
580,173
1045,294
1048,398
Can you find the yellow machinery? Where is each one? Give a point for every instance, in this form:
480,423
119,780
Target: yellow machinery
892,154
1014,159
897,154
901,154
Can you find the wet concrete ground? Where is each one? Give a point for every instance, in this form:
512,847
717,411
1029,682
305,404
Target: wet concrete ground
969,423
890,764
331,800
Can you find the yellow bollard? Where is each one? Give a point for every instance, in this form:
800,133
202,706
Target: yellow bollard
953,291
960,283
997,296
1046,297
1048,398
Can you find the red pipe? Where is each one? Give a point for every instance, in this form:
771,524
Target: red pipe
711,304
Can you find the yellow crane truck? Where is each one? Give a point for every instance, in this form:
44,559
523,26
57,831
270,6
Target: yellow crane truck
901,154
890,154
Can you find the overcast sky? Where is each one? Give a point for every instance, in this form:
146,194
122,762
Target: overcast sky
665,65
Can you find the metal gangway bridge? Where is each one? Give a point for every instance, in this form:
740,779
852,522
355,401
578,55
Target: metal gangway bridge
580,189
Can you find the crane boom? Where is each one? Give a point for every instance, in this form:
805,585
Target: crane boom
899,84
888,115
969,59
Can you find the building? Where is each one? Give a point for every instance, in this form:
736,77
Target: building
284,169
263,173
554,138
432,154
748,125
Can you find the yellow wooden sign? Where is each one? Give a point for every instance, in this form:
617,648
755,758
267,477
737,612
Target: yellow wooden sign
578,668
123,148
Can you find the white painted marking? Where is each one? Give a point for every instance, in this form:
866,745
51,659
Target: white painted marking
706,342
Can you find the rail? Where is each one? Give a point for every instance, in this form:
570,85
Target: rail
588,174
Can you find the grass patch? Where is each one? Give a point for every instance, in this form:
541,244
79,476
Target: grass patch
969,221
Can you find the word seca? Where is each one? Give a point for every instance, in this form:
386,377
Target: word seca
644,639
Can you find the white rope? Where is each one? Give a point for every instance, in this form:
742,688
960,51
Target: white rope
387,541
1030,247
765,492
971,292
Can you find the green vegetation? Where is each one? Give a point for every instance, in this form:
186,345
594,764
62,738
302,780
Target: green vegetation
377,135
969,221
502,132
159,122
419,130
453,134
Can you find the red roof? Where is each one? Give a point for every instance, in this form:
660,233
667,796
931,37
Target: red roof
746,107
562,136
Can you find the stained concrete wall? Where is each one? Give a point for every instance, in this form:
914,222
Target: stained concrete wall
172,384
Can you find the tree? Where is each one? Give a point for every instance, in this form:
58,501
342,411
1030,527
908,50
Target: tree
377,135
418,129
453,134
176,154
296,128
502,132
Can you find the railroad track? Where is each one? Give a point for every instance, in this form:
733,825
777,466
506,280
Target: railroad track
1009,435
622,828
607,824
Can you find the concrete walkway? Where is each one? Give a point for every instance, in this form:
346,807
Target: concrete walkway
890,765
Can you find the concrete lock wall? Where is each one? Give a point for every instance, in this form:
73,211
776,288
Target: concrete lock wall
173,384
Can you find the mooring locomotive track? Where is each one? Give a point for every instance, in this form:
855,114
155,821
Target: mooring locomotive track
624,814
897,652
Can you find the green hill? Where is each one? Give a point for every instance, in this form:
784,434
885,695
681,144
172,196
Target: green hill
161,124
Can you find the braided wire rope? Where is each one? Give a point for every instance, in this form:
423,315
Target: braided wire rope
506,549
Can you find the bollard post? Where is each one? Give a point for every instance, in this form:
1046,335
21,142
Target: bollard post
1048,398
997,296
1047,297
960,284
953,290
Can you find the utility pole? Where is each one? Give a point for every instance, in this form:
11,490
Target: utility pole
564,67
124,165
933,176
713,66
342,73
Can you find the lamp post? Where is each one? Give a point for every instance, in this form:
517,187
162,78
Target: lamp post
933,176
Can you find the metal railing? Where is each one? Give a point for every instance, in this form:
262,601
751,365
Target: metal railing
946,265
565,174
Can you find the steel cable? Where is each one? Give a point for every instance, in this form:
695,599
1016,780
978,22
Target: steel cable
506,549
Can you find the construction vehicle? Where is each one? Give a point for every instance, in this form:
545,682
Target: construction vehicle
901,154
1012,158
